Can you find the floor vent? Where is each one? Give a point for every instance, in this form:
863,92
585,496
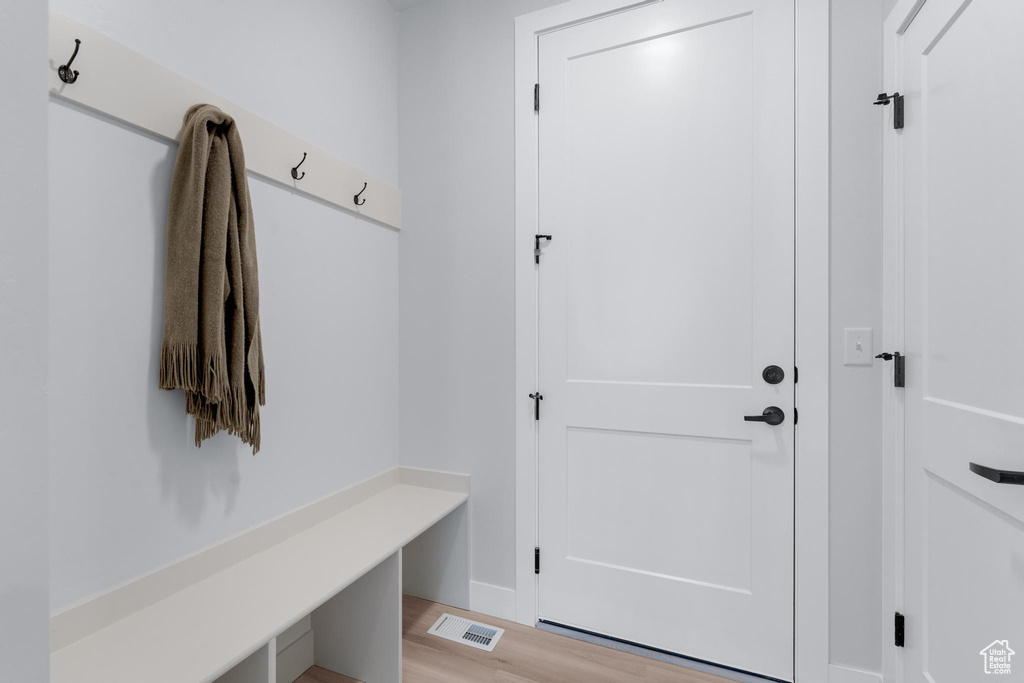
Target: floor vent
467,632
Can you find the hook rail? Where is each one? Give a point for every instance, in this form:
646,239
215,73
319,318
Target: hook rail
142,93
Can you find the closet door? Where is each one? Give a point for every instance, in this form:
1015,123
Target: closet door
666,329
963,225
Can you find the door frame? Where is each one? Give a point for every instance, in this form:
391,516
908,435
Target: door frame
893,336
811,587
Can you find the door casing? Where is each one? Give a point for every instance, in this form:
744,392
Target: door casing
892,338
812,314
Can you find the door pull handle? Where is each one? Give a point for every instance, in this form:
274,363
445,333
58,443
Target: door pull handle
998,476
772,415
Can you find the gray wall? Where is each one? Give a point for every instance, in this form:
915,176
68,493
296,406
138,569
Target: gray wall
855,393
129,490
457,282
24,630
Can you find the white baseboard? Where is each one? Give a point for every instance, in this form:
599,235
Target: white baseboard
844,674
492,600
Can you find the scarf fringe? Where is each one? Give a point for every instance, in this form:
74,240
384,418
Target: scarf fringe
217,385
233,415
179,369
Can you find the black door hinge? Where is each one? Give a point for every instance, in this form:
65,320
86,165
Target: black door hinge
898,629
796,416
536,246
897,100
796,375
900,369
536,560
536,96
537,398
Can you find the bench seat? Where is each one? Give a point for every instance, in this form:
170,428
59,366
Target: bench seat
203,630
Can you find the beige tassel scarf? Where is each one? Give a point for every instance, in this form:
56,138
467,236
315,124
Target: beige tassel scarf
212,347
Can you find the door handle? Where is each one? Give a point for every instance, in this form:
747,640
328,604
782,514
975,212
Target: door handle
771,415
998,476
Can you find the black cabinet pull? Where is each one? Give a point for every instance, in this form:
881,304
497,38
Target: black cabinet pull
998,476
772,415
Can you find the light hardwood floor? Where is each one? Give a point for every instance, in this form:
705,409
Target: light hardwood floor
523,655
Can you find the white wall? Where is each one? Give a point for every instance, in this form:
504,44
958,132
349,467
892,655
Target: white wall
457,293
24,631
129,490
855,396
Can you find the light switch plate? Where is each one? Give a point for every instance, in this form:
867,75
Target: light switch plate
857,346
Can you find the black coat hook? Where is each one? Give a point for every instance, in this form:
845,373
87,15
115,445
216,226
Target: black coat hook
65,72
356,198
295,170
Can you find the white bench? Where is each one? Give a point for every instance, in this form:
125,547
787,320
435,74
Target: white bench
215,616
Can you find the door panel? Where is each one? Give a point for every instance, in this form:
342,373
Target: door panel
962,218
631,214
649,478
972,583
666,181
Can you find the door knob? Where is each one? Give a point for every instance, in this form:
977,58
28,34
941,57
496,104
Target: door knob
771,415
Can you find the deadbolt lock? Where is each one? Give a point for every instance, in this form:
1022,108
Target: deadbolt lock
773,374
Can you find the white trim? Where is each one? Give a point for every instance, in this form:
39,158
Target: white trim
812,223
896,24
495,601
845,674
811,630
433,479
129,87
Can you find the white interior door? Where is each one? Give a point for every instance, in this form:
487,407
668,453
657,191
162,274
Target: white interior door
963,226
666,182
